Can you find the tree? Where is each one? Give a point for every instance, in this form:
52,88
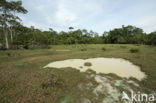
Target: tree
126,34
7,11
152,38
71,28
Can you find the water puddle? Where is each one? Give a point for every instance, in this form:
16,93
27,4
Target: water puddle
121,67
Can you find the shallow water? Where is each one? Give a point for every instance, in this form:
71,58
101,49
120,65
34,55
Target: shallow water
121,67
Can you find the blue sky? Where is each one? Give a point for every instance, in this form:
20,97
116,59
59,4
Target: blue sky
96,15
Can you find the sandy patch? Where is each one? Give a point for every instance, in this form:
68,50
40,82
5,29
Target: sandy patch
121,67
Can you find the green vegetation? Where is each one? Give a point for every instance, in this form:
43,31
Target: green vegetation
134,50
13,35
9,19
24,51
80,67
83,49
103,48
41,39
87,64
122,46
22,76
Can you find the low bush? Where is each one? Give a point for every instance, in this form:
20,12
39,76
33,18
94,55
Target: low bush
26,46
81,67
137,44
9,54
36,47
2,47
83,49
134,50
103,48
87,64
45,47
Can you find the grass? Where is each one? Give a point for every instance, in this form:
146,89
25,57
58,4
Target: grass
122,46
64,85
24,80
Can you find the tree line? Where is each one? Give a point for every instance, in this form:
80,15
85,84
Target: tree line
14,35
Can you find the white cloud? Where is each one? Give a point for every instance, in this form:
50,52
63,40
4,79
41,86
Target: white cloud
98,15
64,16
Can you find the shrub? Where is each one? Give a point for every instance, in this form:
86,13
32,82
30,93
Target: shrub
36,46
45,47
26,46
14,47
81,67
137,44
103,48
83,49
9,54
134,50
2,47
87,64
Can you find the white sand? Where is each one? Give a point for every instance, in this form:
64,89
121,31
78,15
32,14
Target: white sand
118,66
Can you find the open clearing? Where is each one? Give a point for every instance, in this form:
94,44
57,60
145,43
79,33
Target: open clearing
24,80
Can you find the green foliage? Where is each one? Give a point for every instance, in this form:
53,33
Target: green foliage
15,36
9,54
26,46
103,48
31,38
2,47
126,34
121,40
39,47
83,49
81,67
134,50
71,28
9,19
87,64
151,38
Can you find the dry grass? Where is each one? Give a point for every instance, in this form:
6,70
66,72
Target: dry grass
22,75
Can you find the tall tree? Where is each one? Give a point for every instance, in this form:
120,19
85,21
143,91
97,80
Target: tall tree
7,11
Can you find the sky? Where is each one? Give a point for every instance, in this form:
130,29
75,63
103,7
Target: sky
96,15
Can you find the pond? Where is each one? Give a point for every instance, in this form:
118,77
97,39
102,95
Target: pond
118,66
